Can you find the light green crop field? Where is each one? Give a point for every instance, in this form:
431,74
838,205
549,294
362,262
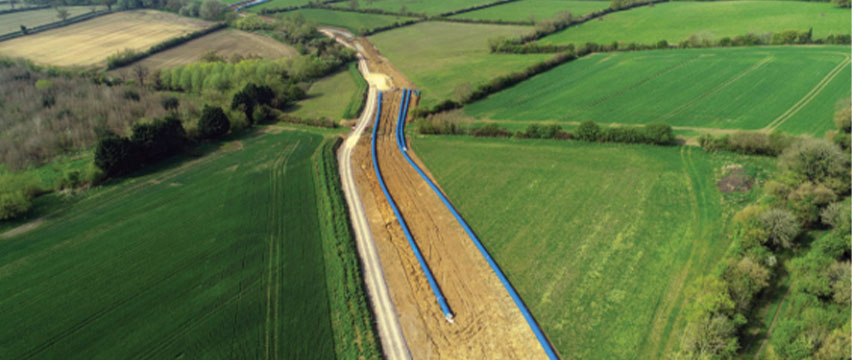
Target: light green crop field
273,4
12,22
524,10
600,240
216,257
676,21
440,56
427,7
329,97
792,89
352,21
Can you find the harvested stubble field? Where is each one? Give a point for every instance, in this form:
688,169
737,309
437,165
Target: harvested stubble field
676,21
441,56
224,43
792,89
12,22
427,7
215,257
600,240
537,10
90,42
352,21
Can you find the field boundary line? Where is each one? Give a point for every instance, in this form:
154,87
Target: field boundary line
639,83
539,334
55,25
719,87
805,100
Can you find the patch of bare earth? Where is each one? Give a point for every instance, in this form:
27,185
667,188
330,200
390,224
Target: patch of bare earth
736,179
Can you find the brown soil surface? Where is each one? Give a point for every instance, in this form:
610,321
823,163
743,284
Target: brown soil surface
736,179
487,324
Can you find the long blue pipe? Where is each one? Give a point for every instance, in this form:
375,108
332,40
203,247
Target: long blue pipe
439,296
527,315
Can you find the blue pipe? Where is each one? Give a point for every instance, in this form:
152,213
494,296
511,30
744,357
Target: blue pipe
439,296
401,129
527,315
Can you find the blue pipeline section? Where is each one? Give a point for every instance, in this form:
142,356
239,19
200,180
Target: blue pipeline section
439,296
530,320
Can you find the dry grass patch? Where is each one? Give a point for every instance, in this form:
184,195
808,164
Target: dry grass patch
225,43
90,42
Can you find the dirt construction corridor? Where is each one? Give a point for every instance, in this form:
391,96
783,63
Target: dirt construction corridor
487,324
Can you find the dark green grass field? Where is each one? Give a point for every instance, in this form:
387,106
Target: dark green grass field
599,239
216,257
426,7
676,21
792,89
354,22
440,56
525,10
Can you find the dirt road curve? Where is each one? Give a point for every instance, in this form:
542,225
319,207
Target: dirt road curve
390,333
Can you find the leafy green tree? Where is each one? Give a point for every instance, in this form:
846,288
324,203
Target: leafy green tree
781,226
213,123
62,14
818,161
659,133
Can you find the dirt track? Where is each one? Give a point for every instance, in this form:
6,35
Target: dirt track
487,323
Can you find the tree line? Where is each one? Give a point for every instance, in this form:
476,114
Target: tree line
808,193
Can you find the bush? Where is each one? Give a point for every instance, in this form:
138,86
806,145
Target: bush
115,155
213,123
130,94
818,161
16,193
781,226
588,131
491,130
158,140
170,103
660,134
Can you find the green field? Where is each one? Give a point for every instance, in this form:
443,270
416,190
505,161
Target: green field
12,22
734,88
524,10
598,239
272,4
426,7
440,56
676,21
222,256
331,96
352,21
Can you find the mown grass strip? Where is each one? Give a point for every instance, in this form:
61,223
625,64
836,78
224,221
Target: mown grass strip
353,322
359,97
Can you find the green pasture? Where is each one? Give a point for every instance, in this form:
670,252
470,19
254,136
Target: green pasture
792,89
426,7
352,21
212,257
537,10
600,240
441,56
332,96
676,21
272,4
31,18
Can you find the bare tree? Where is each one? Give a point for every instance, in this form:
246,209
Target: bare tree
141,73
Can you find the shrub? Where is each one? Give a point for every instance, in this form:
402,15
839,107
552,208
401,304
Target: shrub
170,103
158,140
115,155
213,123
131,94
818,161
16,193
490,130
782,227
588,131
660,134
837,215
